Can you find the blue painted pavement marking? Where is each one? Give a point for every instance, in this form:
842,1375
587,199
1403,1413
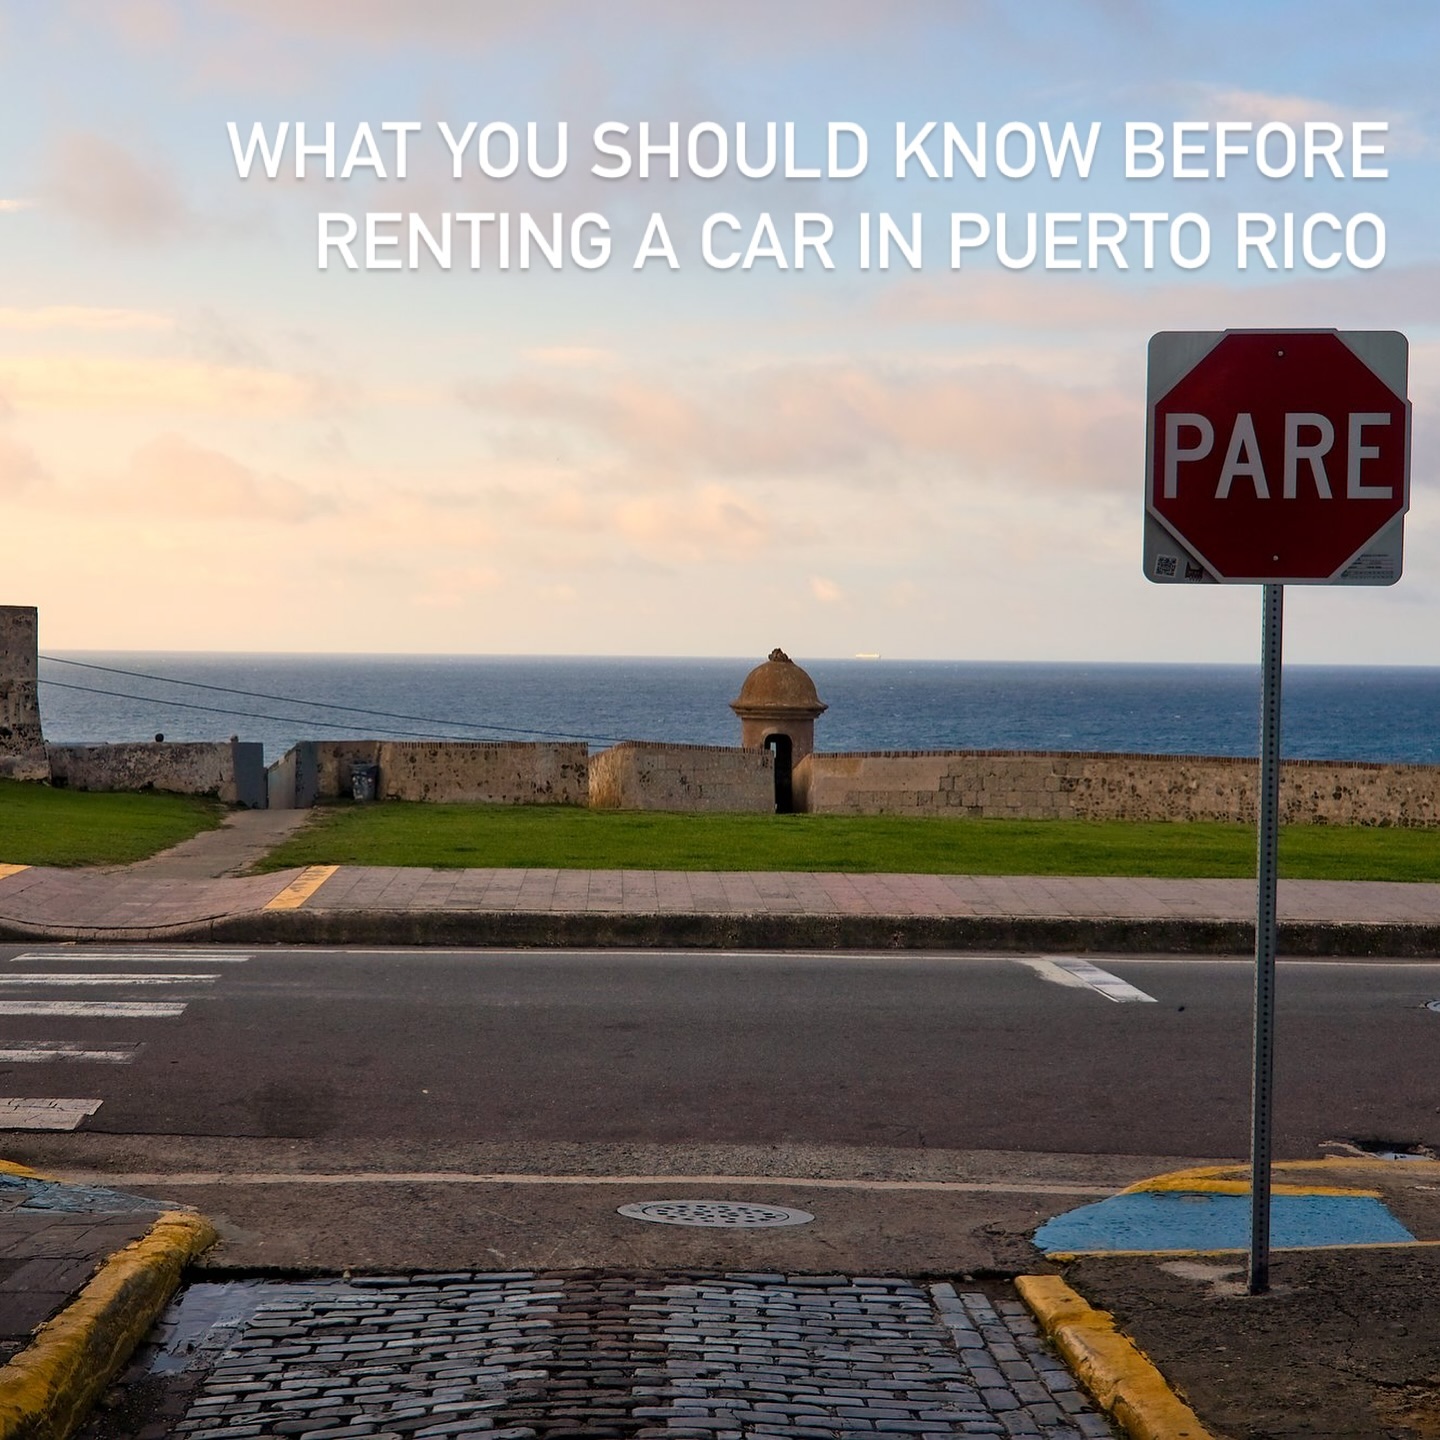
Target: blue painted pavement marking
1194,1220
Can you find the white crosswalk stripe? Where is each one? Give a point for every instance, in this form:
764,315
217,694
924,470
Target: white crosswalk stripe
133,957
148,970
97,1009
47,1114
111,978
1080,974
39,1052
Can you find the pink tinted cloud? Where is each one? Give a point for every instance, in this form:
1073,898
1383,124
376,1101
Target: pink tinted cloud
20,469
1377,299
843,422
101,184
177,480
475,23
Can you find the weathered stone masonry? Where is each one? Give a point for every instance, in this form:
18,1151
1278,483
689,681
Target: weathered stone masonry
22,746
643,775
501,773
1071,785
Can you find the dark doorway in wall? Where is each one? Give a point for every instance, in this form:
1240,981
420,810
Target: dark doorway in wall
784,791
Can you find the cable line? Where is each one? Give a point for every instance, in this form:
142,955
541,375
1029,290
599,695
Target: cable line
254,715
292,700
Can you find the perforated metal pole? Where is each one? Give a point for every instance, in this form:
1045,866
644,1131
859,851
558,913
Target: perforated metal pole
1262,1094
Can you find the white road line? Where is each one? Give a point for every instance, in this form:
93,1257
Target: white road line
111,978
38,1052
96,1009
48,1114
131,957
1081,974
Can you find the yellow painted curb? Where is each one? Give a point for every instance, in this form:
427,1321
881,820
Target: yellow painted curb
6,871
1184,1183
48,1389
1122,1381
13,1167
300,889
1220,1178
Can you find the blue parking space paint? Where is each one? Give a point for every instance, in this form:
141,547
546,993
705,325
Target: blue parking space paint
1200,1220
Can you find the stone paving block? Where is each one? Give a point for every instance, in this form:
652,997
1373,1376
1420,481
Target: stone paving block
689,1358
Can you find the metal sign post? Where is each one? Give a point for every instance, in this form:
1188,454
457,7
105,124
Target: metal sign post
1274,457
1262,1093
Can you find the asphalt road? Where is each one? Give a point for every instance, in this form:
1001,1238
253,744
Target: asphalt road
968,1070
957,1052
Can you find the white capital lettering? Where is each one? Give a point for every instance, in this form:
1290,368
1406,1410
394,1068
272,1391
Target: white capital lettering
1359,451
1175,453
1315,453
1242,457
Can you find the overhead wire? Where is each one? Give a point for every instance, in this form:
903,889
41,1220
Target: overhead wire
292,700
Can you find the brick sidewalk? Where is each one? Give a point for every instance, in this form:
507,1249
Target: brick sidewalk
669,1357
80,904
746,892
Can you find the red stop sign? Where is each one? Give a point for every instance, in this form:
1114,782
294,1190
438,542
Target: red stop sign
1277,456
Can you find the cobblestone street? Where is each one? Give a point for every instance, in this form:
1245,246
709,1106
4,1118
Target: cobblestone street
674,1357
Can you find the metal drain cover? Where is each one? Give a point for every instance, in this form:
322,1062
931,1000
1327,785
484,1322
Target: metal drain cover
732,1214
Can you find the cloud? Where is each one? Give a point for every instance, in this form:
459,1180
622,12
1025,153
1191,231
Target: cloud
843,422
100,184
145,25
570,357
691,526
19,468
1406,134
13,207
467,24
1085,304
175,479
138,385
80,317
826,591
216,340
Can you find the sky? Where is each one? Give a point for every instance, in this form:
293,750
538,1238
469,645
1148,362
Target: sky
210,442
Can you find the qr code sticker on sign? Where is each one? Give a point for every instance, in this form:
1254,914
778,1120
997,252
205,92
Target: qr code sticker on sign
1166,566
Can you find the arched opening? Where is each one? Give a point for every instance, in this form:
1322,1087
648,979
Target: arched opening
784,791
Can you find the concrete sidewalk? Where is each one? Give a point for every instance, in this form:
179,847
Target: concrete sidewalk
358,905
1342,1348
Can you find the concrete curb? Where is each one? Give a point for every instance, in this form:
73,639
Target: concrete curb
636,930
1118,1376
47,1390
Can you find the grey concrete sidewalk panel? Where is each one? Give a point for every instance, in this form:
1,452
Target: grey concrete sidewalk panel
394,906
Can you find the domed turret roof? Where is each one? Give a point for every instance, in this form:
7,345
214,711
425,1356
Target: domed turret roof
778,687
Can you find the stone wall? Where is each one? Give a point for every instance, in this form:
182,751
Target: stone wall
1048,785
503,773
231,770
643,775
334,760
22,745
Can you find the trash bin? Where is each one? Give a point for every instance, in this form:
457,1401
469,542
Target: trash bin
364,781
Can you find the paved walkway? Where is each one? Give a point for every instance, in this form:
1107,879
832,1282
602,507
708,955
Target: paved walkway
362,904
231,849
665,1357
747,892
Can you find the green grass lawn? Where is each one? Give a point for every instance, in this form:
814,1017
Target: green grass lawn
553,836
42,826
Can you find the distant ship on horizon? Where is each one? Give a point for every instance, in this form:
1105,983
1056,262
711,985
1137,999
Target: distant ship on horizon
867,654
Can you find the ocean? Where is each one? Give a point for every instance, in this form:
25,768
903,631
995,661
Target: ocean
1330,712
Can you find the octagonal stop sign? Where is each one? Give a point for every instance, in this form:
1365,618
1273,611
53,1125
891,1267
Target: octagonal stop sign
1279,457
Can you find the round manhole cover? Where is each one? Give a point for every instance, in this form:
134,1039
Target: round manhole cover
734,1214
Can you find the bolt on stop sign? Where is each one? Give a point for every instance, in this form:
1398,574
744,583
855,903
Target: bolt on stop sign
1277,457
